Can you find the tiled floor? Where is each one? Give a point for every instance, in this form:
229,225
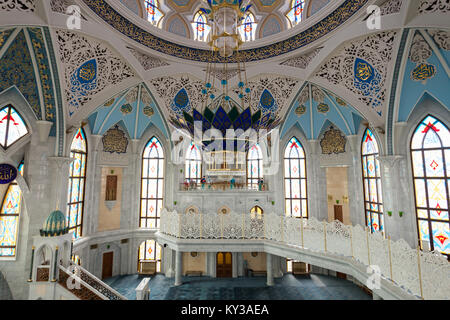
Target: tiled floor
312,287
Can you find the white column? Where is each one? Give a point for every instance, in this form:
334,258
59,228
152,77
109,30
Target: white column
269,269
178,267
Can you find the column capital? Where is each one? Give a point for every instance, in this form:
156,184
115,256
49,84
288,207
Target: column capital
390,161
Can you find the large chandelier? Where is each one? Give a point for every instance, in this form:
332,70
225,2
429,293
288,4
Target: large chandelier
222,112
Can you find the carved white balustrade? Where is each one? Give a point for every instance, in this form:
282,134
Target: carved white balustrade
424,274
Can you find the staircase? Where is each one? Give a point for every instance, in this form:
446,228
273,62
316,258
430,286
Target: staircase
90,287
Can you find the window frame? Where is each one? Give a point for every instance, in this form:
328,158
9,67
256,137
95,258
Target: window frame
155,246
251,184
293,7
81,192
425,179
155,7
205,25
378,185
253,24
285,177
10,108
16,235
157,216
190,160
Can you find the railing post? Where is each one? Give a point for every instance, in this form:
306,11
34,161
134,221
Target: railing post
390,257
179,225
221,226
243,226
201,225
264,226
325,235
301,230
420,272
351,241
368,247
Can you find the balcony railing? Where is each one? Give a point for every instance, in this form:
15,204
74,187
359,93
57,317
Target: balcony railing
424,274
222,186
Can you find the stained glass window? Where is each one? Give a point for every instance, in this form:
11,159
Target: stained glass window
201,27
254,167
193,164
373,198
256,212
154,15
12,127
152,184
9,218
430,159
77,181
295,180
295,15
247,29
150,250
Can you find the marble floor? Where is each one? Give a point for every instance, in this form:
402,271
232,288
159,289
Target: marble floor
289,287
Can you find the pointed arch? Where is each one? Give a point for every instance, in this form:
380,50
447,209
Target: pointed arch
12,126
256,212
201,27
247,29
9,218
371,174
77,183
154,14
254,167
193,169
295,180
297,12
430,160
149,251
152,184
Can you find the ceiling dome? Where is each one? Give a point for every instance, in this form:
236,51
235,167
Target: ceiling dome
54,225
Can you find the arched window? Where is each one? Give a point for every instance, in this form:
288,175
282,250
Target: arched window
295,179
9,218
12,127
153,12
256,212
373,197
193,171
77,182
247,29
430,158
149,251
152,184
254,167
295,15
201,27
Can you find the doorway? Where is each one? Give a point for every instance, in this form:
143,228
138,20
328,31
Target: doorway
224,267
107,267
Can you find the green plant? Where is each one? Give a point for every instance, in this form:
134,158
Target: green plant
389,213
337,201
175,203
273,203
400,214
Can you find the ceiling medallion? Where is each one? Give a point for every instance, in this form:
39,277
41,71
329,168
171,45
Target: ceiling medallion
115,141
323,108
148,111
126,109
301,110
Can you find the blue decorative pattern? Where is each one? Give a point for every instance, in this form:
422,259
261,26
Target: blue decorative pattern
367,80
317,31
83,80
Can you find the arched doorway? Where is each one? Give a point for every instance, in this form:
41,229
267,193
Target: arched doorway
224,268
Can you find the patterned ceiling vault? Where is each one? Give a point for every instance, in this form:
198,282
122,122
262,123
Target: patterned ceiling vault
147,62
419,54
333,141
90,67
19,5
60,6
328,24
302,61
390,7
134,109
315,109
181,93
362,67
431,6
280,88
